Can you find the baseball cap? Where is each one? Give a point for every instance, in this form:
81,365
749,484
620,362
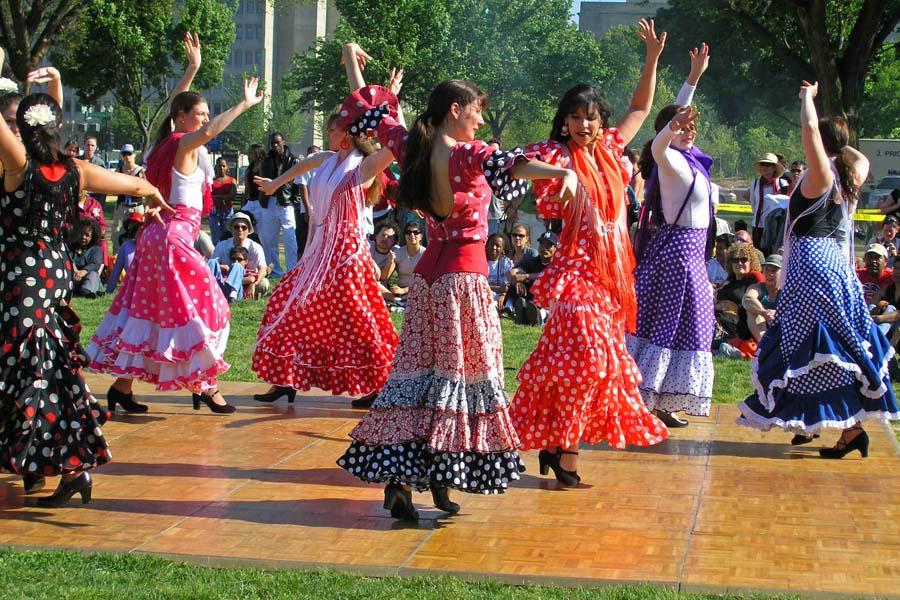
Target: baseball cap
127,149
548,237
878,249
891,219
773,260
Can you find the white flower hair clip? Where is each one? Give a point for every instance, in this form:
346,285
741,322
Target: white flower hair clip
8,85
40,114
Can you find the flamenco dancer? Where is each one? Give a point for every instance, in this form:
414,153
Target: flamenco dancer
823,363
50,423
580,383
327,325
675,322
442,419
169,322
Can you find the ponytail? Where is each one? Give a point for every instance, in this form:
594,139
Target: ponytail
164,130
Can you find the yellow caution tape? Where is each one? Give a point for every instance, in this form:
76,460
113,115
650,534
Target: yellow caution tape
868,215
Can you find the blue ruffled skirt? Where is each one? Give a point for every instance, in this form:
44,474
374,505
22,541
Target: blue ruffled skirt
823,362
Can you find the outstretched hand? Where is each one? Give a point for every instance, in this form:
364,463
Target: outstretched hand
43,75
685,119
647,33
699,62
396,81
358,54
809,89
265,185
192,49
252,95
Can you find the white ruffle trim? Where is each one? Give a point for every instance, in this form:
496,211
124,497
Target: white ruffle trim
687,403
767,397
749,418
672,372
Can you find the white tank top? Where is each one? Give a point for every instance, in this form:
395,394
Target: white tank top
187,190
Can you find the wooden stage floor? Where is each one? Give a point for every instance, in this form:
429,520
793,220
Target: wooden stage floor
717,508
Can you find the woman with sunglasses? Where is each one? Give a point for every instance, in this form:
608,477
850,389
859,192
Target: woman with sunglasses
676,229
744,270
407,257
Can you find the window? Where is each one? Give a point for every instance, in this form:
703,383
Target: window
259,32
248,57
217,108
259,58
260,6
240,9
239,32
238,57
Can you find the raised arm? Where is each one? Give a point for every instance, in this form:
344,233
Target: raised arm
374,164
699,63
12,155
51,77
818,176
192,49
354,59
395,83
683,119
859,164
642,100
270,186
217,125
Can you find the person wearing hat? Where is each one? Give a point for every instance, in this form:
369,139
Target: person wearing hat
127,245
524,274
255,283
769,182
126,204
760,298
890,226
875,276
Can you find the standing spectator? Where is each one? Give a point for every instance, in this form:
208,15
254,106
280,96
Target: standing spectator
406,258
769,182
888,238
126,204
89,206
91,156
382,250
255,283
876,276
520,243
127,246
499,266
302,208
277,214
87,259
256,155
637,180
797,169
224,190
71,148
523,275
760,299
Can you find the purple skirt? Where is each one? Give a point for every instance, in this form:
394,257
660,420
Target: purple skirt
675,322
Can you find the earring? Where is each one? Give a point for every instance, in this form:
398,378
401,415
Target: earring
565,130
345,144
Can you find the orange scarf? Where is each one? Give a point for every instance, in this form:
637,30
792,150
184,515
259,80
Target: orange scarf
600,204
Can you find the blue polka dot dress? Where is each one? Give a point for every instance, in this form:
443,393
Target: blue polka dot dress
823,363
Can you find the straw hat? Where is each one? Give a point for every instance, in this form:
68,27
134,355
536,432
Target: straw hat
769,158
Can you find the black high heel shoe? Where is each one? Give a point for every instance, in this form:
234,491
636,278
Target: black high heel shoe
126,401
277,394
207,399
441,496
842,448
399,502
550,460
670,420
33,483
81,484
365,401
800,439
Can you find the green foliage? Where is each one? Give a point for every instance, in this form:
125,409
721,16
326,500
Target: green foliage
880,114
523,53
127,49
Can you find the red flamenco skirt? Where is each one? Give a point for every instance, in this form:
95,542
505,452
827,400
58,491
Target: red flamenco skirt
169,322
338,338
580,383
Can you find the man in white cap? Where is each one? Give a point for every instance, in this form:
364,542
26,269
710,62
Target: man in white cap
769,183
255,283
125,204
876,276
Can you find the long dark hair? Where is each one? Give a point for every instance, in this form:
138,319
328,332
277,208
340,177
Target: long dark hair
581,96
256,154
835,135
646,161
183,102
42,142
415,173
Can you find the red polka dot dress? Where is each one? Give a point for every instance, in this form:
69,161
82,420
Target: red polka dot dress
326,324
580,383
49,421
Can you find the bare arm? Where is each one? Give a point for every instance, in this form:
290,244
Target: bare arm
104,181
374,164
12,155
536,169
859,164
354,59
195,139
192,49
51,77
818,176
642,100
751,302
269,186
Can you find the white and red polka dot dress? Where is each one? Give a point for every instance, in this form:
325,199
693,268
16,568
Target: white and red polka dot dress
580,383
326,324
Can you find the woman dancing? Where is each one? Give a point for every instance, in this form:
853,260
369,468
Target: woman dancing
580,383
327,325
675,322
50,423
822,363
169,322
442,419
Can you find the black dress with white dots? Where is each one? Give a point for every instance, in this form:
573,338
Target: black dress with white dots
49,421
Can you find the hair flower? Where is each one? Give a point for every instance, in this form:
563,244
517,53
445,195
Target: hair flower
39,114
8,85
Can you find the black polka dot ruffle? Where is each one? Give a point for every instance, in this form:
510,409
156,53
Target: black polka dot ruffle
496,172
369,120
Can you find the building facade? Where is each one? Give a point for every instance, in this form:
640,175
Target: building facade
599,17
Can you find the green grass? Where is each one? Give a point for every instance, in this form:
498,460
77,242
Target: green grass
67,575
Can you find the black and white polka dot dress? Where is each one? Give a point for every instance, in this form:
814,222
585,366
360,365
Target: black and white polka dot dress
49,421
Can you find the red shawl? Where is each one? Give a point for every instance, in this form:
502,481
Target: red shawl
159,169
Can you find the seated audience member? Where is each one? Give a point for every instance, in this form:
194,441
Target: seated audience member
499,266
87,258
717,266
886,313
731,318
382,250
523,275
255,284
760,299
888,238
407,257
520,243
875,276
127,245
89,206
230,275
743,237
